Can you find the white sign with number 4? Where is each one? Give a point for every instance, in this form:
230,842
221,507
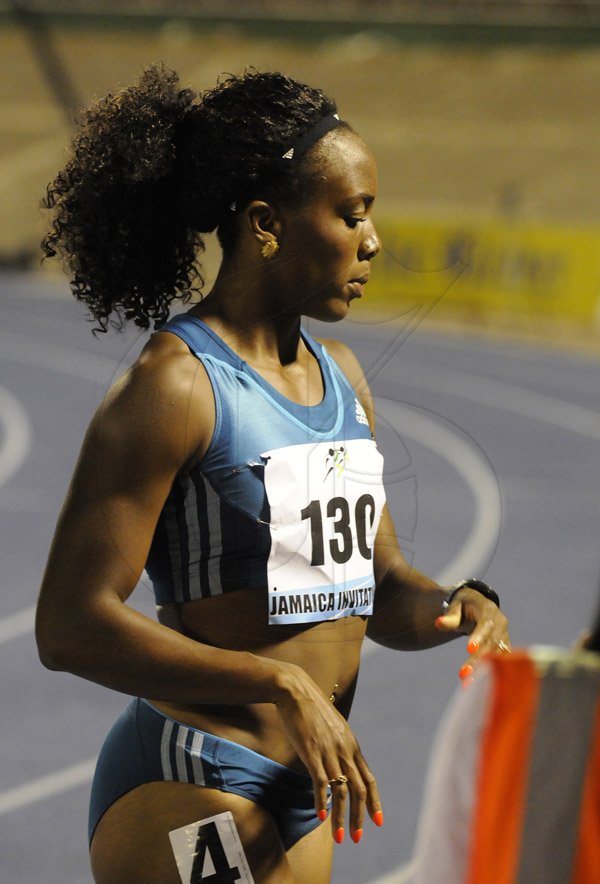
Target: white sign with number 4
210,852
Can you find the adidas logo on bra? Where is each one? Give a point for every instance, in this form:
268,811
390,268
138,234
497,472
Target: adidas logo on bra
361,417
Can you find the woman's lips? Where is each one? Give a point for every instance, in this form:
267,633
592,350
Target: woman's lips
356,286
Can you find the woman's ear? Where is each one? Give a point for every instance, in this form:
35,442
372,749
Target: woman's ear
263,221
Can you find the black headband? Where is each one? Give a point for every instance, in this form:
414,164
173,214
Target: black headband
325,125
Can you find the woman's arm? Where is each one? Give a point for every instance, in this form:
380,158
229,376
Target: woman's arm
157,418
408,612
407,603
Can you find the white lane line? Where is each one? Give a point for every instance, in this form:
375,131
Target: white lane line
18,624
44,787
77,363
16,443
463,454
507,397
473,467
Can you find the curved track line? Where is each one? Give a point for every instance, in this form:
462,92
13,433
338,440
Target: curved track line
44,787
472,466
508,397
16,444
76,363
17,624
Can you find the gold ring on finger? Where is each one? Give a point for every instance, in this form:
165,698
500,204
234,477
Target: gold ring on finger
502,646
338,781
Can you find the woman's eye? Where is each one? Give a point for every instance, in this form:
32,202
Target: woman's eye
353,221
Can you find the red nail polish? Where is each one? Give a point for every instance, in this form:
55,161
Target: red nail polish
473,646
438,622
378,818
356,835
338,835
465,671
322,814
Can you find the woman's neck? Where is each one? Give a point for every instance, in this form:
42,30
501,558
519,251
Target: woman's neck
242,310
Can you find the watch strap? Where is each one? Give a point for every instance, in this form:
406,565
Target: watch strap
472,583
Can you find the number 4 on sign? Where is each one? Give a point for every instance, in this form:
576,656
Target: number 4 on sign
210,852
210,863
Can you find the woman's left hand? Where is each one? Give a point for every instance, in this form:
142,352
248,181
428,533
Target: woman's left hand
472,614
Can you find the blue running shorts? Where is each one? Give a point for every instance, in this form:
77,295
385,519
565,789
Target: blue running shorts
145,746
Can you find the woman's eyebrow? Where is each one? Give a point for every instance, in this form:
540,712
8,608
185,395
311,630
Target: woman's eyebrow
365,198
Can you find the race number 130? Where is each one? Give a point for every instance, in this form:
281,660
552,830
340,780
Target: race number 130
346,528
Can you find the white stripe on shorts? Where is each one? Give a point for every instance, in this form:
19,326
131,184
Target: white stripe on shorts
182,774
195,751
165,744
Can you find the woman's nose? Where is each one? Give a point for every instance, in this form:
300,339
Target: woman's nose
370,245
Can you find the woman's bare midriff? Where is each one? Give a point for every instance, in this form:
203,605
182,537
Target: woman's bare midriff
329,653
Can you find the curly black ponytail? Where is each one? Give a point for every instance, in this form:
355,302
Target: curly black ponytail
153,167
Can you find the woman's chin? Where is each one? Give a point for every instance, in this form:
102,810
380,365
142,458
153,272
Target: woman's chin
333,310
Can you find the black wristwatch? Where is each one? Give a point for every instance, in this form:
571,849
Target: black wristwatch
472,583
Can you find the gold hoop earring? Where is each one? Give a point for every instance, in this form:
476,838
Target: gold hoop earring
269,249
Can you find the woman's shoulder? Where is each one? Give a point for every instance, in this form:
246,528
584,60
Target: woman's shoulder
163,394
165,367
344,357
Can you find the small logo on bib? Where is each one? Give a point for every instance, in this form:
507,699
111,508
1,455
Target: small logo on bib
361,417
335,460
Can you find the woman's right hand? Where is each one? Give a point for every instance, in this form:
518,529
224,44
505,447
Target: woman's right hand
327,747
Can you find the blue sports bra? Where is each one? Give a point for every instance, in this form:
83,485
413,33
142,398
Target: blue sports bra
287,496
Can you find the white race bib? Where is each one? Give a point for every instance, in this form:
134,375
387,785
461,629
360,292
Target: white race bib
325,500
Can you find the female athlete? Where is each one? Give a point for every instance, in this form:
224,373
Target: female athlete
235,462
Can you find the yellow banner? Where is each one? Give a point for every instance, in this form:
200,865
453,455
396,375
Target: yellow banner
500,268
